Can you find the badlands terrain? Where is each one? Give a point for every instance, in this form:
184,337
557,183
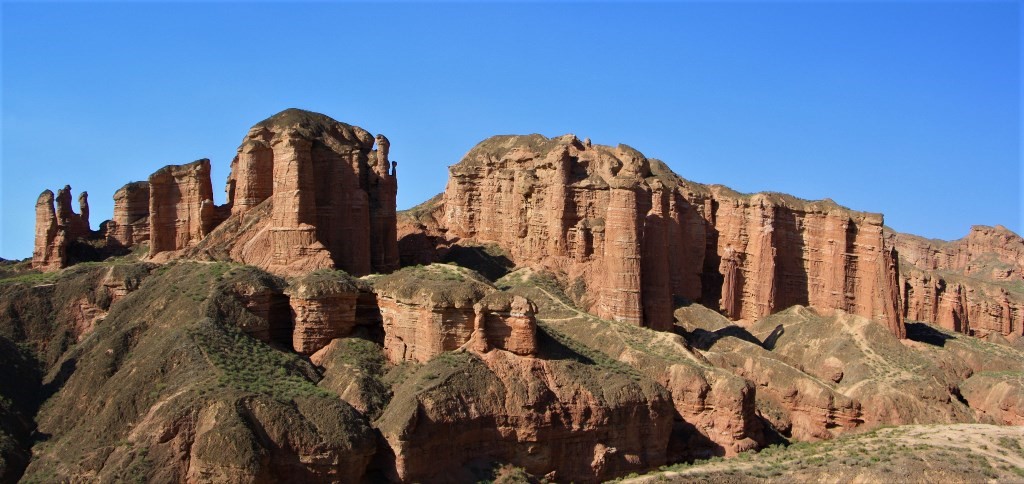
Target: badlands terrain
563,312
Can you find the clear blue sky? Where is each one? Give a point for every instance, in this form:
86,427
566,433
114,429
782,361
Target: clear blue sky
907,108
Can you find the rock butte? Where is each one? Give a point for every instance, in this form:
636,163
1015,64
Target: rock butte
631,238
305,192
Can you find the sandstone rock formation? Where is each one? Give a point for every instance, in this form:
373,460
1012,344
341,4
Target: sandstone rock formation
130,225
999,396
57,227
429,310
331,196
181,209
505,321
254,302
972,285
553,418
632,238
50,249
323,306
305,192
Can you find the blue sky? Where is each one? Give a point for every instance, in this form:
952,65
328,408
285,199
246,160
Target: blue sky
911,109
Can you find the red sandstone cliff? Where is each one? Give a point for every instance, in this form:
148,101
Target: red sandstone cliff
307,192
130,225
57,227
181,210
635,237
974,285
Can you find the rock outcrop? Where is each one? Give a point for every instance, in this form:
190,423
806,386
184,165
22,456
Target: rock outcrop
505,321
999,396
974,285
57,227
331,198
554,418
632,238
50,249
429,310
130,225
181,209
305,192
323,306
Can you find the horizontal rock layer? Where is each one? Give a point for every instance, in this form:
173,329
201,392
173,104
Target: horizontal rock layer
632,238
974,285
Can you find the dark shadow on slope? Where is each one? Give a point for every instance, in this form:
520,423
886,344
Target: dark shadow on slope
488,261
704,340
67,368
687,444
772,339
924,333
552,347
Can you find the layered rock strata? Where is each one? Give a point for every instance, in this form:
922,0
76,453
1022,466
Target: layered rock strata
632,238
560,420
305,192
972,285
331,197
130,225
57,226
429,310
323,306
181,209
505,321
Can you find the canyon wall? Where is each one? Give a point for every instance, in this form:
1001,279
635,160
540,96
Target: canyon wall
632,240
974,285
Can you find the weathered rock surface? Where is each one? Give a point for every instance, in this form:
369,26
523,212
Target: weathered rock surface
554,418
631,237
130,225
308,192
974,285
50,249
181,209
714,410
798,405
323,306
354,369
999,396
505,321
254,302
57,227
305,192
428,310
162,391
893,382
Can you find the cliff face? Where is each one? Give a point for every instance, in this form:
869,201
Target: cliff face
181,210
553,418
974,285
57,227
634,238
323,305
130,224
307,192
427,311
